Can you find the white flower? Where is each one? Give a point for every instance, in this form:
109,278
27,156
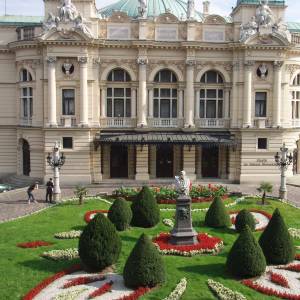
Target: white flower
71,294
67,254
178,291
295,233
73,234
168,222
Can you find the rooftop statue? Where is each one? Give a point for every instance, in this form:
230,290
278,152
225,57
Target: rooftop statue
190,14
182,183
67,11
264,15
79,23
51,22
248,29
142,9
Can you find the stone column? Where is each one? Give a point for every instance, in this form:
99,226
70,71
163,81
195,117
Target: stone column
189,161
199,161
234,95
133,103
189,96
84,101
247,109
52,121
150,103
103,102
142,168
277,93
180,104
197,104
226,112
142,101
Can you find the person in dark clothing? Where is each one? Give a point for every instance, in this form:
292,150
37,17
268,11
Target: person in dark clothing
49,190
30,193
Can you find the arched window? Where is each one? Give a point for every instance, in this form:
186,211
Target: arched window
25,75
211,104
118,94
165,95
26,96
295,95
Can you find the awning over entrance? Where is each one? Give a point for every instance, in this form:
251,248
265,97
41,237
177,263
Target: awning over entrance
155,138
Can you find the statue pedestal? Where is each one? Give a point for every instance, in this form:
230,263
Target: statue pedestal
183,232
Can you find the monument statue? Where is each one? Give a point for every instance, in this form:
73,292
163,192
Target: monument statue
79,23
182,183
51,22
190,14
142,9
68,11
264,15
248,29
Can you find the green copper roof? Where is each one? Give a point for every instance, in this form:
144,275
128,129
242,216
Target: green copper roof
293,26
20,20
155,8
271,2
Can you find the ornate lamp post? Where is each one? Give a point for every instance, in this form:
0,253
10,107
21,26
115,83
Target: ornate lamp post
283,160
56,161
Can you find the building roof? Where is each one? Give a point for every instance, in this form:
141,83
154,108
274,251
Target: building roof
256,2
155,8
20,20
293,26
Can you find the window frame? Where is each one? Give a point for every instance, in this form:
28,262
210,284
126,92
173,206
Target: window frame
265,104
72,141
257,144
26,100
63,100
295,98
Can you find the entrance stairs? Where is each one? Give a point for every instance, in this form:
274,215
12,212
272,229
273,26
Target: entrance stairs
19,181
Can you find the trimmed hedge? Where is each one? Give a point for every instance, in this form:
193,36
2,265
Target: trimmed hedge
244,218
246,258
276,241
144,266
217,215
120,214
145,210
99,244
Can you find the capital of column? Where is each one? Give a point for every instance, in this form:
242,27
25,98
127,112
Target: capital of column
236,66
190,62
277,65
142,61
82,59
51,59
249,64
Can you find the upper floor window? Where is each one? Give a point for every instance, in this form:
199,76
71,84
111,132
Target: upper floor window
296,80
212,77
118,75
25,75
28,33
165,76
260,104
68,102
295,95
26,103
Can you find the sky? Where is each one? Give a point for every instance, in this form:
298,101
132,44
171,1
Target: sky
221,7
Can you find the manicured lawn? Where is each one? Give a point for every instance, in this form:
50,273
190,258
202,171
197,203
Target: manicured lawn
22,269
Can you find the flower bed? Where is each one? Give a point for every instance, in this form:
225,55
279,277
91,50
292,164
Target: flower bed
295,233
73,234
83,280
106,287
279,279
206,244
178,291
222,292
168,222
136,294
92,213
34,244
66,254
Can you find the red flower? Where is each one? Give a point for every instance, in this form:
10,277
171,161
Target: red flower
102,290
87,216
279,279
83,280
294,268
136,294
34,244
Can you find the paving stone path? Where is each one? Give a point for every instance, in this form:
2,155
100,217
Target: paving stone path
14,204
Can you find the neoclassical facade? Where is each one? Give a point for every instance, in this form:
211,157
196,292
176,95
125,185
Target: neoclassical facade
141,91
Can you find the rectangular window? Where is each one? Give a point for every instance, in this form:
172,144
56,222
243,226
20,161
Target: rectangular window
211,112
27,102
67,142
260,104
28,33
68,102
262,143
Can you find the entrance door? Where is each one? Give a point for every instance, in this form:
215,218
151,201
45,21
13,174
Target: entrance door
164,161
119,162
26,158
210,162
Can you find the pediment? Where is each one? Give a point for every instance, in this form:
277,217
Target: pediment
59,34
119,17
214,19
167,18
273,39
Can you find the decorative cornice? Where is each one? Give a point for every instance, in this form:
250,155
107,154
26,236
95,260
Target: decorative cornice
142,61
278,64
82,59
249,63
51,59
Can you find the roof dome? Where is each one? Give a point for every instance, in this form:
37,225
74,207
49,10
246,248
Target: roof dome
155,8
256,2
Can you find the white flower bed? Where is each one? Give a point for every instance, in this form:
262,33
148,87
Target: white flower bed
73,234
224,293
168,222
262,220
295,233
178,291
66,254
71,294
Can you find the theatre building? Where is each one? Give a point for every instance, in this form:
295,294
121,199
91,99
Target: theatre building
142,89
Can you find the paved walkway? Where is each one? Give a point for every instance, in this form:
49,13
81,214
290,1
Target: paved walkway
14,204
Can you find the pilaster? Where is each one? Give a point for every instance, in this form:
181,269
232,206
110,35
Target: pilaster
142,168
52,120
84,102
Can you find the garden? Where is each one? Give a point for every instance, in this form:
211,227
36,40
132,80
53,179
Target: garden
118,248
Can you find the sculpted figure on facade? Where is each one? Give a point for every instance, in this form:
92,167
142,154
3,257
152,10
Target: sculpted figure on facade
51,22
263,69
248,29
142,9
79,24
68,11
264,15
190,14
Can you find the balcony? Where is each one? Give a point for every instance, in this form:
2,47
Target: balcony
165,123
118,123
26,122
212,123
262,123
68,121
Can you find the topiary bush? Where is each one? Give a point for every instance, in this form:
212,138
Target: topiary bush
144,266
99,244
244,218
120,214
145,210
246,258
217,215
276,242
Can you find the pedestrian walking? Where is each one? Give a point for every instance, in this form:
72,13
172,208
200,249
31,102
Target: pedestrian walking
30,192
49,190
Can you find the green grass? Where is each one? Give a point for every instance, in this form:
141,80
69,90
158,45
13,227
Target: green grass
22,269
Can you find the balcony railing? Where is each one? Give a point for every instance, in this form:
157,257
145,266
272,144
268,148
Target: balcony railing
118,122
212,123
165,123
295,38
262,123
68,121
296,123
25,121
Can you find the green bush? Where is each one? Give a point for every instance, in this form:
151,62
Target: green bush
217,215
276,242
246,258
144,266
244,218
99,244
120,214
145,209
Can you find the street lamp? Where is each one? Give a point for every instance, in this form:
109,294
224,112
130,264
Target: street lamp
283,160
56,161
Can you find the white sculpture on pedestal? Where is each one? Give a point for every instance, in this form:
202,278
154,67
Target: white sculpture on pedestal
182,183
190,14
142,9
248,29
67,11
264,15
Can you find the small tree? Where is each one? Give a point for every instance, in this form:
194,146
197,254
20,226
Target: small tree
144,266
265,187
276,241
244,218
120,214
81,192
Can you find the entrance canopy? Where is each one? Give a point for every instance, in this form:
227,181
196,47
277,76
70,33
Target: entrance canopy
155,138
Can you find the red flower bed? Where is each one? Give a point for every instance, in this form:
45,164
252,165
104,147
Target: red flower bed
297,257
136,294
194,200
34,244
269,291
206,244
102,290
279,279
87,216
36,290
293,268
83,280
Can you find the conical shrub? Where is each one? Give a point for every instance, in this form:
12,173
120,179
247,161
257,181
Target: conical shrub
120,214
276,241
99,244
145,210
244,218
144,266
246,258
217,215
